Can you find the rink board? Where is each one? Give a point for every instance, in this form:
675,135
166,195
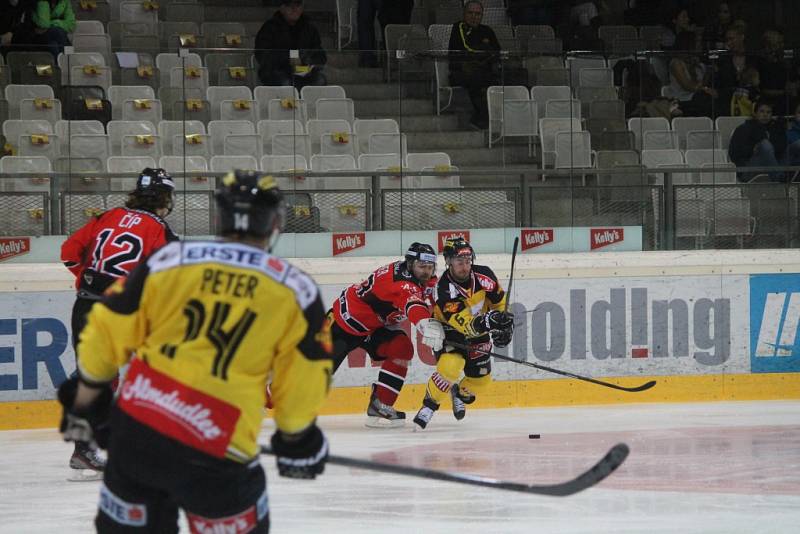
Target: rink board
726,330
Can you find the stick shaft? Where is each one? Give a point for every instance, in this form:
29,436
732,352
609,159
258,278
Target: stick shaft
511,274
643,387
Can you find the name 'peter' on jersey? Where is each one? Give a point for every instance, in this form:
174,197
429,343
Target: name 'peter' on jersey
458,303
208,323
110,245
386,297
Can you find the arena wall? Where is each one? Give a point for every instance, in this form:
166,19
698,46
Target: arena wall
706,326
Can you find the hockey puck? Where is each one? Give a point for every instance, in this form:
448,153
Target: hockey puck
534,436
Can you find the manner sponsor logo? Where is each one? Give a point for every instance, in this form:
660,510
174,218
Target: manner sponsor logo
442,237
603,237
532,238
346,242
14,246
774,323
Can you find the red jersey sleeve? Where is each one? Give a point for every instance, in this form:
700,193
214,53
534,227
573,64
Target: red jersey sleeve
411,301
73,250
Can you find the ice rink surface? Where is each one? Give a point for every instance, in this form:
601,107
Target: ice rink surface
729,467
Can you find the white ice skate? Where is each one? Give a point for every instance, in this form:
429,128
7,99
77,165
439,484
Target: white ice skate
380,415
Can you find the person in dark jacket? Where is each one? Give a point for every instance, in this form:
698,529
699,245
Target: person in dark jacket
16,25
289,30
793,139
473,55
759,142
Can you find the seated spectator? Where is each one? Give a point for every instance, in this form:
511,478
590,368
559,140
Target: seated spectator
729,67
714,32
15,24
388,12
582,13
532,12
473,58
759,142
289,29
689,78
793,139
774,71
681,23
53,20
747,94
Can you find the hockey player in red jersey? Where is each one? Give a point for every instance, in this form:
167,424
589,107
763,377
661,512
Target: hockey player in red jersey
108,247
369,314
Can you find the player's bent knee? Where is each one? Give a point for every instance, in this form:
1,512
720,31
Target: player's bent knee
399,347
450,365
476,385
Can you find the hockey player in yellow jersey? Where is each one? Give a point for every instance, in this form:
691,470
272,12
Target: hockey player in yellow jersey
470,303
204,324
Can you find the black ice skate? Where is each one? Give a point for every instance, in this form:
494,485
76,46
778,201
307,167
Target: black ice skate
380,415
460,399
86,464
425,413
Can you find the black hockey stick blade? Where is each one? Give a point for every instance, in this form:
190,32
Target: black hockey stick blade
599,471
636,389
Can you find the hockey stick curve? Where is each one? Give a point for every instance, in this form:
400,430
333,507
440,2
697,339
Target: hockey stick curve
643,387
598,472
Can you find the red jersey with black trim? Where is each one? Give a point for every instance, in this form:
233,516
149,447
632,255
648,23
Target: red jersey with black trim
110,245
388,296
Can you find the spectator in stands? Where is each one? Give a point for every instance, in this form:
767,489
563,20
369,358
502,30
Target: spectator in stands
681,23
289,29
15,24
689,78
730,66
388,12
759,142
532,12
714,34
473,58
774,71
793,139
53,20
747,94
582,12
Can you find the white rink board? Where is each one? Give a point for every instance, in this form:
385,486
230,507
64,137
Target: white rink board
588,312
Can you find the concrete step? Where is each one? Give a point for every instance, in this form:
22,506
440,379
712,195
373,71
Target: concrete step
489,157
420,123
435,141
386,91
393,106
342,76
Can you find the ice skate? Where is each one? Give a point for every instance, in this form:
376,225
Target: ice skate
86,464
459,408
380,415
425,413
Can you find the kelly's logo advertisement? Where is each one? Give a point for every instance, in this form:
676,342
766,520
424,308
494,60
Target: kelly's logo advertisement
442,237
603,237
348,242
14,246
533,238
774,322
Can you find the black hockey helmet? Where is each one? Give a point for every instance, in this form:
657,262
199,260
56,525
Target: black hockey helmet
152,182
250,204
420,252
457,247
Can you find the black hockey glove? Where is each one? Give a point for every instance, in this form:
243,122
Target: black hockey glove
501,326
301,456
87,425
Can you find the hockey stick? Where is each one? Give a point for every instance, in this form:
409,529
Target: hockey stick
599,471
511,274
643,387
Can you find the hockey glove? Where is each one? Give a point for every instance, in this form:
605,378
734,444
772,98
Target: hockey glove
432,333
494,321
301,455
88,424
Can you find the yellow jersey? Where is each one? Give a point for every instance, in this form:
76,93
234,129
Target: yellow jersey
204,325
457,303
